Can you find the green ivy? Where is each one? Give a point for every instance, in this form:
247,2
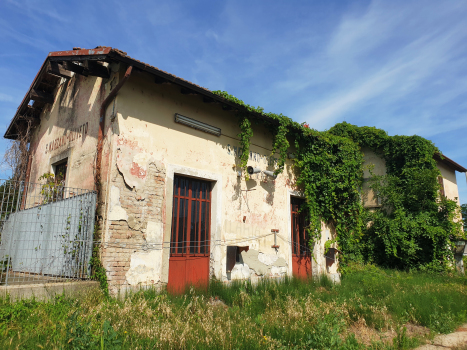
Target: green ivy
281,144
98,272
245,135
413,229
330,175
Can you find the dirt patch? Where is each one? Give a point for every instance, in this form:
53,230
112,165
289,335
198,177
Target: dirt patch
368,335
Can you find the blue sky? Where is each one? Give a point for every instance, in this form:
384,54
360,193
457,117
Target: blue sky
397,65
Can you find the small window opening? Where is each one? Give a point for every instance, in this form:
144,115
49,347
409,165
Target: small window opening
60,172
234,256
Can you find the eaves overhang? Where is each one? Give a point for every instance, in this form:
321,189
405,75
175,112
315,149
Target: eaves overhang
449,162
109,54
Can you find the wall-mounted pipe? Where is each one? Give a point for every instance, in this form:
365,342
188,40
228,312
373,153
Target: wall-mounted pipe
100,135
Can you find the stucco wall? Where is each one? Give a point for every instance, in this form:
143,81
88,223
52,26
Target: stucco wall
243,212
144,149
374,164
68,129
449,180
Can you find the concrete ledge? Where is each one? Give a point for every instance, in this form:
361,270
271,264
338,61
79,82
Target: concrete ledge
47,291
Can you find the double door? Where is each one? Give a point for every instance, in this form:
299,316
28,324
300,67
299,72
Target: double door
191,234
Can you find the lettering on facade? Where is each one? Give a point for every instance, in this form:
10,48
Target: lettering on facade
254,156
70,136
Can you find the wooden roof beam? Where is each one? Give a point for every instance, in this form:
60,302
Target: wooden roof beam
41,96
58,70
96,69
186,91
89,68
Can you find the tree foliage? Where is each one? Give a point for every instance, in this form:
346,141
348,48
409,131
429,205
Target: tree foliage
464,215
413,229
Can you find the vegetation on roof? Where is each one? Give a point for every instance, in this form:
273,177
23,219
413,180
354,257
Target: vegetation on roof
414,228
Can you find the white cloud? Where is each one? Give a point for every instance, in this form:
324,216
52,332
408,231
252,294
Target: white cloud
381,59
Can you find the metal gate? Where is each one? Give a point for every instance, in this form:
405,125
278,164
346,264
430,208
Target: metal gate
190,238
301,254
46,232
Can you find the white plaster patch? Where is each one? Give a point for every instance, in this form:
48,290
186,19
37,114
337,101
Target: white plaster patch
275,270
133,165
267,259
116,211
154,232
142,159
145,268
280,262
240,271
251,258
335,277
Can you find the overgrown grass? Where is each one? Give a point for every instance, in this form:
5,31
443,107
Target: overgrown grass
293,314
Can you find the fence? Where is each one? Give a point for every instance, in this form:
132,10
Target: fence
46,232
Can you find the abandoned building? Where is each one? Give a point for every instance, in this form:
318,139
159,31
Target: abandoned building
161,154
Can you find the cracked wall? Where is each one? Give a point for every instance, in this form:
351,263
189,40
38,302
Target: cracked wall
145,137
132,255
68,130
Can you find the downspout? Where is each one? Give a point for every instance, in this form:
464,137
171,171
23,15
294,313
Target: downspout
26,182
100,135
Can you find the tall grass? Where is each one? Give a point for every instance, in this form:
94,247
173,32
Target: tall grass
292,313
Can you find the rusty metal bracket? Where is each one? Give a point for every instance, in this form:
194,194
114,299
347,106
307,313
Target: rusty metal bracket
275,246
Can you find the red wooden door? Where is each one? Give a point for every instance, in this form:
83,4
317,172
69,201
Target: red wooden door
301,257
191,234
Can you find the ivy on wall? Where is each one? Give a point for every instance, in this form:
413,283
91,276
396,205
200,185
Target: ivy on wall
413,229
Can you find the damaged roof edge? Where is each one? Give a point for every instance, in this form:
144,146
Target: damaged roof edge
8,134
123,57
88,52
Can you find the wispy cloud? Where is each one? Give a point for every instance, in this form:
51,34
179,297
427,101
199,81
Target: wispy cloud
400,65
37,11
380,55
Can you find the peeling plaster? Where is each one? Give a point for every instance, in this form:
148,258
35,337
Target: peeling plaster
133,163
145,268
116,210
267,259
263,264
240,271
154,232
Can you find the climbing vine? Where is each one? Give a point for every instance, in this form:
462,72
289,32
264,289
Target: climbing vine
245,135
330,174
413,228
281,144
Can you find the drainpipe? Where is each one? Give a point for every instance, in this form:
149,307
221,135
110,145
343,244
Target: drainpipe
26,182
100,135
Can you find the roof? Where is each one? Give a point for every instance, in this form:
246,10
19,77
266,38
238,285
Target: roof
47,79
449,162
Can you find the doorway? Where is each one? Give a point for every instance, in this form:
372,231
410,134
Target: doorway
301,254
191,234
